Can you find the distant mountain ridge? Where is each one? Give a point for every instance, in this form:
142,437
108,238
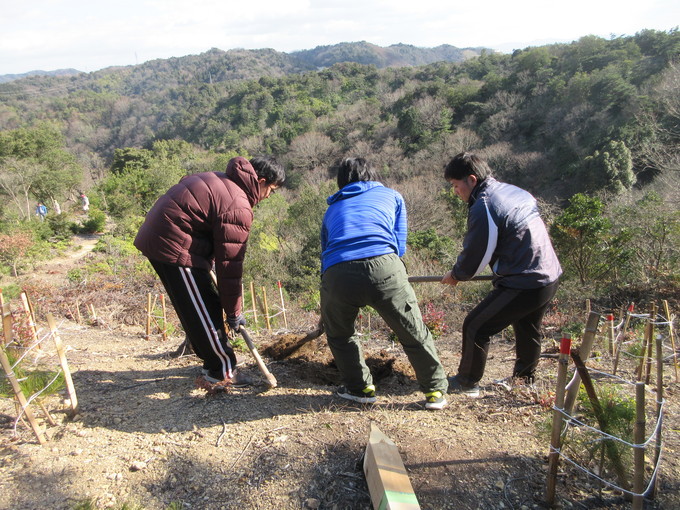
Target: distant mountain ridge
396,55
240,62
4,78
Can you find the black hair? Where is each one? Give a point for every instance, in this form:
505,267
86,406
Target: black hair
267,168
354,170
464,164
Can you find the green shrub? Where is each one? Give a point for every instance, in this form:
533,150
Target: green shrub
95,222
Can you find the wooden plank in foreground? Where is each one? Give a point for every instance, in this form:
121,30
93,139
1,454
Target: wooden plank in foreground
388,482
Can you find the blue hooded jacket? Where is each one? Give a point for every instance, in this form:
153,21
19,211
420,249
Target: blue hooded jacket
364,219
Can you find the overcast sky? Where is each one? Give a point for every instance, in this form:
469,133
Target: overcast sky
89,35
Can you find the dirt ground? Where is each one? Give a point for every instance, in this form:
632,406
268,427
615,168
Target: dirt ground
147,436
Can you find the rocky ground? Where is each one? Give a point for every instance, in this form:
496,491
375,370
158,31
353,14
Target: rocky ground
146,437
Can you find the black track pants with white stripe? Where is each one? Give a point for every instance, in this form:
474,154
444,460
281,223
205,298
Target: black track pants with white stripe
197,303
503,307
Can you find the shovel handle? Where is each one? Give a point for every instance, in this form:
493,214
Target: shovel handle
436,278
271,380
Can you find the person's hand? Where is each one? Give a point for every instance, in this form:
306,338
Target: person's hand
448,279
236,322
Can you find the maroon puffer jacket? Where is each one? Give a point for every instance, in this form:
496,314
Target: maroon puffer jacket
205,217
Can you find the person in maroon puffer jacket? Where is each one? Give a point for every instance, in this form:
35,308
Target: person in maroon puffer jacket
200,223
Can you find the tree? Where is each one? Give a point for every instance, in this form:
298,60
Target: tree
611,169
13,247
580,234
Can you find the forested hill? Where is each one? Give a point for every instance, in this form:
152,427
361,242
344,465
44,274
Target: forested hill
218,65
591,115
396,55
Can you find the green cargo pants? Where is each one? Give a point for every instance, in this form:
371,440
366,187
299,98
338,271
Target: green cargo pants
382,283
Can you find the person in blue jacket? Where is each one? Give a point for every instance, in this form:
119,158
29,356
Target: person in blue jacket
363,236
504,231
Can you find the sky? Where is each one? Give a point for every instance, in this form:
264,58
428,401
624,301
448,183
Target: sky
89,35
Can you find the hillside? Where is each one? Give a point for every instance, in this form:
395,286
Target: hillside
147,438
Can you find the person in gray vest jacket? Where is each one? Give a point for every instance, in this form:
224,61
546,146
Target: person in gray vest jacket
504,231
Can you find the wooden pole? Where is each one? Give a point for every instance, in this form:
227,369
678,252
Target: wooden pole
266,309
586,346
8,334
64,365
650,343
558,418
602,420
79,318
639,448
609,345
659,407
9,373
621,337
670,334
148,316
283,305
252,299
29,316
640,372
164,333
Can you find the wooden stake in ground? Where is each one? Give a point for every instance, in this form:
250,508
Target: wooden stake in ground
558,419
64,365
659,407
252,299
601,419
30,318
7,323
283,305
164,333
639,448
79,318
266,309
585,348
9,373
148,317
609,344
388,482
621,337
650,343
670,334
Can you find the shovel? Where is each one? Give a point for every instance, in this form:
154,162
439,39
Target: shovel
285,346
271,380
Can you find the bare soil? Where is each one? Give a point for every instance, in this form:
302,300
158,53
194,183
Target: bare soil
147,436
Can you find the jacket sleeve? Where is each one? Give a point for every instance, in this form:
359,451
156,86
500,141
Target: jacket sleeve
230,237
479,243
401,226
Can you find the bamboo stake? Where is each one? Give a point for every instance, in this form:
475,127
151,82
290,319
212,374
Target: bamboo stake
79,318
9,373
47,414
64,365
621,337
164,332
8,334
252,298
659,417
585,348
670,334
650,343
609,344
29,316
93,314
558,418
639,448
266,309
148,316
640,372
283,306
601,419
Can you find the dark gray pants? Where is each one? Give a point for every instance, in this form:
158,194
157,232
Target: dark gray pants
382,283
524,310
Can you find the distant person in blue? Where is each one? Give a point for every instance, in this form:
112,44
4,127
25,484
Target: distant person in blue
504,231
363,237
41,211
